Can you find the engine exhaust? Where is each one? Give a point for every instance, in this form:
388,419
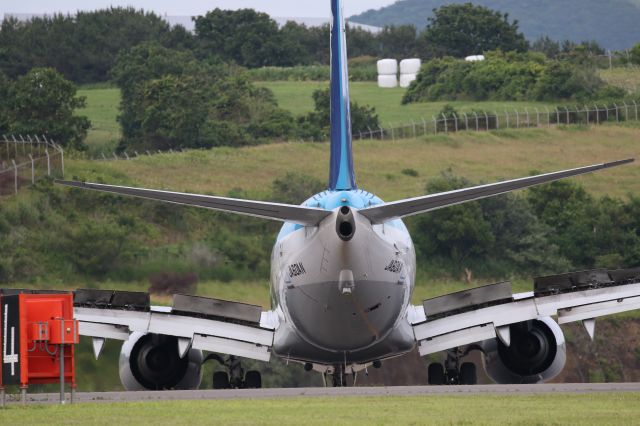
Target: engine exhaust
345,224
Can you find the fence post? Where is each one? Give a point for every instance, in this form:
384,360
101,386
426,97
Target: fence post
586,108
455,121
33,170
115,157
548,116
557,116
435,125
414,129
424,126
606,106
526,110
46,151
138,155
61,160
15,174
506,114
477,123
381,133
568,121
626,110
466,121
15,146
617,113
636,107
393,132
127,155
497,120
446,124
486,117
537,117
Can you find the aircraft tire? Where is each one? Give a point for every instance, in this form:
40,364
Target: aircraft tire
220,380
436,374
468,375
253,380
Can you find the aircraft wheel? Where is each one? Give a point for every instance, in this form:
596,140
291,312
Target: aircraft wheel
436,374
220,380
253,380
468,374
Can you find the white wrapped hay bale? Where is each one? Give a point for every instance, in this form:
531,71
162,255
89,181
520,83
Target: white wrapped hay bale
406,79
410,66
387,67
387,81
475,58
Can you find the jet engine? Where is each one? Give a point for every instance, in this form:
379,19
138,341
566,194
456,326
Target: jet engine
152,362
536,354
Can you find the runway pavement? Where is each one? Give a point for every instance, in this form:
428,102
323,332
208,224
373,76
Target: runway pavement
84,397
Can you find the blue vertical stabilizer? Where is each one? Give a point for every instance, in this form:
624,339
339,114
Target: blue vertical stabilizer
341,175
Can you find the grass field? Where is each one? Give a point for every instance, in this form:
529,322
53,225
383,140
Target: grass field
588,409
482,156
102,110
627,78
296,96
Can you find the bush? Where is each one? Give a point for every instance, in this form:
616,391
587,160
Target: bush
506,77
43,102
316,124
170,100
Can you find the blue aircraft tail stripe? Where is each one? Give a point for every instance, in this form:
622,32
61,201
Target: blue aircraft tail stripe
341,175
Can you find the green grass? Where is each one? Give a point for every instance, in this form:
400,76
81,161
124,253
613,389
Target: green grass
296,97
479,156
627,78
102,110
589,409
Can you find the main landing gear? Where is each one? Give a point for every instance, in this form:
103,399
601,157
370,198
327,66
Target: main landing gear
452,372
234,377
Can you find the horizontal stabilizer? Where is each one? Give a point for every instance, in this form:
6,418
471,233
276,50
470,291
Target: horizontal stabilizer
306,216
403,208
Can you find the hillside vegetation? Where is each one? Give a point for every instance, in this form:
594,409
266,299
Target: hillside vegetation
614,26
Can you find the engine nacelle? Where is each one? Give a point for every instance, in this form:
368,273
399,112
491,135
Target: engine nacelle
152,362
537,353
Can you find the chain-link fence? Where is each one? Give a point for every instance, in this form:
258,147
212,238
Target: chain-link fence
507,119
24,160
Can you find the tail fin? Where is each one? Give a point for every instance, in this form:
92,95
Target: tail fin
341,175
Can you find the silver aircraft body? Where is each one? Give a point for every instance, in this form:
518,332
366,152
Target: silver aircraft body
342,279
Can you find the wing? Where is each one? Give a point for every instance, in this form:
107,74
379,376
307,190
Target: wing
485,313
199,323
413,206
301,215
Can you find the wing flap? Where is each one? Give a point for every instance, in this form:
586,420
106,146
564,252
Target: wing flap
472,324
215,325
306,216
403,208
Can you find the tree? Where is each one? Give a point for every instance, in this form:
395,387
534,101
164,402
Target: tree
635,54
5,92
316,124
44,103
83,47
171,100
398,41
461,30
247,37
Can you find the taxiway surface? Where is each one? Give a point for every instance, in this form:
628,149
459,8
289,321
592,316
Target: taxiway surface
84,397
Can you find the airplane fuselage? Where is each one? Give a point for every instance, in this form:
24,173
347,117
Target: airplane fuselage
343,301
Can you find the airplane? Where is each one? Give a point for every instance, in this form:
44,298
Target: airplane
342,277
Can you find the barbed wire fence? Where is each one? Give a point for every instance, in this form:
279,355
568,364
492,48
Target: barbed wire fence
595,114
26,159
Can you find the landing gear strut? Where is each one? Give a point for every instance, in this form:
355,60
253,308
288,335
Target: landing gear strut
453,372
234,377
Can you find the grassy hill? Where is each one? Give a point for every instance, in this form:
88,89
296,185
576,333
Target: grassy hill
613,24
